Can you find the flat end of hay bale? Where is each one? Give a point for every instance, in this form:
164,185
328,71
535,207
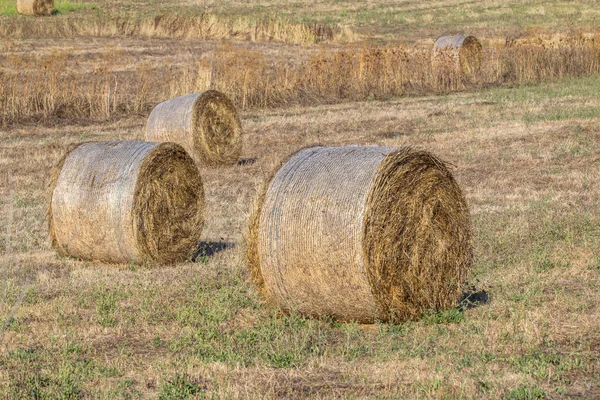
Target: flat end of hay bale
217,119
417,236
169,205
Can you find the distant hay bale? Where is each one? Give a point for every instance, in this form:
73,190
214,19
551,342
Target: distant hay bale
126,202
360,234
35,7
464,52
206,124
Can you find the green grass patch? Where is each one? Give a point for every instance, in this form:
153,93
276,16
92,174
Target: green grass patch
66,6
106,307
560,114
8,7
180,388
56,372
454,316
526,393
576,87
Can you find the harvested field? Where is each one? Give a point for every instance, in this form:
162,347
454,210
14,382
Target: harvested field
521,144
526,160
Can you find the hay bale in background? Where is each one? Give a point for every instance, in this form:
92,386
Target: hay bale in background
361,234
206,124
35,7
126,202
464,52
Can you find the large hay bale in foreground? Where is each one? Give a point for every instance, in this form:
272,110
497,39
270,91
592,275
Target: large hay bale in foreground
126,202
206,124
35,7
464,52
361,234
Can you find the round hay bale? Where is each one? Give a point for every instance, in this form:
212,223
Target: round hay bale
464,52
35,7
361,234
126,202
206,124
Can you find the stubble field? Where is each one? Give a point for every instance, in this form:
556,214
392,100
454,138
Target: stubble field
522,142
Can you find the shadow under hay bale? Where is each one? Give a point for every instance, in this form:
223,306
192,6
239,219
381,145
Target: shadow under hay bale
206,124
361,234
126,202
209,249
463,53
472,298
247,161
35,7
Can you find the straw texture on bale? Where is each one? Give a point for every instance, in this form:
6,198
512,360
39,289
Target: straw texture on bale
126,202
206,124
35,7
464,52
361,234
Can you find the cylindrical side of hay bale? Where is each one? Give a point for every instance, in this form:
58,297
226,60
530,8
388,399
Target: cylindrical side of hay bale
126,202
361,234
465,52
35,7
206,124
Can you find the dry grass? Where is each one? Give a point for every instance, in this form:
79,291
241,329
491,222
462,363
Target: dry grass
173,25
50,87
